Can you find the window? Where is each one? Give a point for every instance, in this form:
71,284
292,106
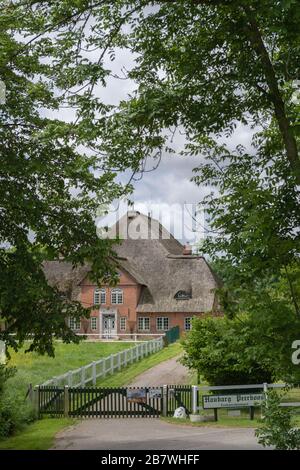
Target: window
123,323
99,296
188,323
74,324
162,323
94,323
116,296
144,323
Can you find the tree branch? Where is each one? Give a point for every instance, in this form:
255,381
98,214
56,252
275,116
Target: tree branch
258,45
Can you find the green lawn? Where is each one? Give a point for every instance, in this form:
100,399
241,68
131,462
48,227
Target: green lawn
37,436
35,369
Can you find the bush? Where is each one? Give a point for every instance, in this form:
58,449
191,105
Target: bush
5,374
277,429
220,350
15,412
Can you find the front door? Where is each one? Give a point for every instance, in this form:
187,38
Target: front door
109,326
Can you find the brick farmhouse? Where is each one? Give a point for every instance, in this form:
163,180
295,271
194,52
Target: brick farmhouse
161,283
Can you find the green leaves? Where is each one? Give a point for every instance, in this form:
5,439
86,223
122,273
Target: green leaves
49,190
277,427
213,347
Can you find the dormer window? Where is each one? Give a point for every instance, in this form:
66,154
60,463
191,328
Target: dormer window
182,295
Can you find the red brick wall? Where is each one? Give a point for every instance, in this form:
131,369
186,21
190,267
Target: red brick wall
131,294
174,319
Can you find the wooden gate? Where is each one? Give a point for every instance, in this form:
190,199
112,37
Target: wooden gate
104,402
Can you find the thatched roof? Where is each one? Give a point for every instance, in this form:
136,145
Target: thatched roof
65,276
166,270
155,260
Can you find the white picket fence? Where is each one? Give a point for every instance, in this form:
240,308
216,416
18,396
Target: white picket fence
106,365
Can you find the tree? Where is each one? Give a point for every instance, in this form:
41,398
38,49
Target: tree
50,188
201,67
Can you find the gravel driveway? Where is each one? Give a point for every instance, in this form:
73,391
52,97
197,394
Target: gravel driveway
169,372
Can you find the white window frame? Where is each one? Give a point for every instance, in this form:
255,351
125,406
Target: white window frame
99,296
162,320
74,324
117,296
94,323
190,323
123,323
141,323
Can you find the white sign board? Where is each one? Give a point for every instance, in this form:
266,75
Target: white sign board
232,401
2,353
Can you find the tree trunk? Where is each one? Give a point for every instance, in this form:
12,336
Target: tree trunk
275,95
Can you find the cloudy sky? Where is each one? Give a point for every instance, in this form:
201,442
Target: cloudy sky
167,192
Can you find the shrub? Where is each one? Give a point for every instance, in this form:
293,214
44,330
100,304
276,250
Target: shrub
220,350
15,412
277,425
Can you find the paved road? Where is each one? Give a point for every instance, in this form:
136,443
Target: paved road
151,434
169,372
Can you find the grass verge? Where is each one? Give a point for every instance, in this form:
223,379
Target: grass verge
37,436
223,422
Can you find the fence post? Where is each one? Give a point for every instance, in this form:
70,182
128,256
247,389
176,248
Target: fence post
36,400
265,385
194,399
29,394
119,360
70,378
131,355
125,358
83,376
94,372
104,367
66,401
165,400
112,364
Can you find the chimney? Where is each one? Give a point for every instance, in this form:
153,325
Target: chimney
132,214
187,250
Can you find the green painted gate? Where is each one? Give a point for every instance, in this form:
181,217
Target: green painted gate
115,402
172,335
